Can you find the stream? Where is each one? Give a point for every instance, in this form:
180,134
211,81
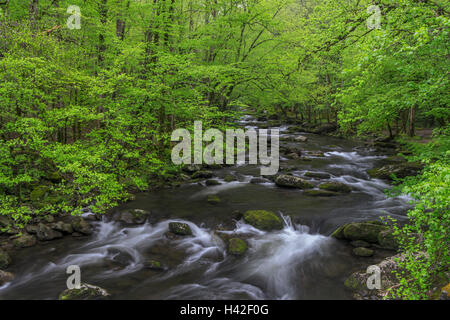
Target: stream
300,261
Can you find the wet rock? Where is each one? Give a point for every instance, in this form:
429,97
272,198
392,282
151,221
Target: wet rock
85,292
62,227
317,154
202,175
321,193
153,265
360,244
237,246
258,181
317,175
192,168
293,182
293,150
81,226
31,229
133,216
293,156
363,252
336,187
213,199
366,231
5,222
264,220
387,240
401,171
5,277
230,178
301,139
212,183
445,293
5,259
179,228
45,233
48,218
25,241
120,257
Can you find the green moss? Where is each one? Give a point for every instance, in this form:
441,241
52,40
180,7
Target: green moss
179,228
264,220
5,259
237,247
213,199
336,187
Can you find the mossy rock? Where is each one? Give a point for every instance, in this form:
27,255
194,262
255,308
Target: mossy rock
230,178
133,216
366,231
321,193
363,252
401,170
81,226
237,247
264,220
154,265
339,233
387,240
202,175
356,282
45,233
62,227
360,244
5,259
212,183
181,229
5,277
335,187
25,241
317,175
85,292
213,199
293,182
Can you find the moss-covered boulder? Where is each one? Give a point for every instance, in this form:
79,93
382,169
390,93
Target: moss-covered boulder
336,187
85,292
363,252
321,193
230,178
213,199
5,259
287,181
264,220
360,244
5,277
339,233
81,226
401,170
366,231
133,216
63,227
25,241
181,229
237,247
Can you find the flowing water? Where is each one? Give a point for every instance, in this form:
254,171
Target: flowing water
299,262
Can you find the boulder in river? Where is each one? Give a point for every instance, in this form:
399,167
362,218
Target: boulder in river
81,226
293,182
45,233
62,227
85,292
212,182
366,231
363,252
237,247
5,259
133,216
181,229
335,187
230,178
264,220
5,277
205,174
401,170
25,241
317,175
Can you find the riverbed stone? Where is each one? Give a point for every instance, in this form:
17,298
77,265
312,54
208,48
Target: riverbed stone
181,229
301,139
213,199
360,244
293,182
212,182
321,193
230,178
237,246
366,231
264,220
62,227
81,226
133,216
5,277
363,252
401,170
335,187
25,241
45,233
318,175
85,292
5,259
204,174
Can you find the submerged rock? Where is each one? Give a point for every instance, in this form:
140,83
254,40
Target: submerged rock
318,175
336,187
181,229
237,247
264,220
5,277
293,182
360,244
321,193
85,292
213,199
5,259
